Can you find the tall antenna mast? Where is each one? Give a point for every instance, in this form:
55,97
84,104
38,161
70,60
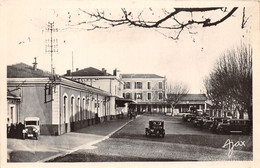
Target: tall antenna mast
51,44
72,63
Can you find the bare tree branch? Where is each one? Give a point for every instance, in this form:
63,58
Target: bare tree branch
176,93
99,19
244,19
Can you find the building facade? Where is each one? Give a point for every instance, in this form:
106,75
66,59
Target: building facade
148,90
192,102
111,83
13,104
63,105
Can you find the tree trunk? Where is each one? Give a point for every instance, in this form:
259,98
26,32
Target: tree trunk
172,106
241,114
250,112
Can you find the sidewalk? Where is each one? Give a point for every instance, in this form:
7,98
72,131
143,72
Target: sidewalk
49,147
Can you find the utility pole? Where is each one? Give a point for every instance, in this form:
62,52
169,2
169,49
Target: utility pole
51,45
72,63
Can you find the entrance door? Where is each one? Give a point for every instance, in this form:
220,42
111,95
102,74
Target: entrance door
149,109
138,108
12,114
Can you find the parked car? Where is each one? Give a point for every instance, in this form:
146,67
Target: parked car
156,127
185,116
207,122
32,127
234,125
216,120
198,121
190,117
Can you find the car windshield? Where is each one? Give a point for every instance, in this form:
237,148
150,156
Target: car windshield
30,122
156,123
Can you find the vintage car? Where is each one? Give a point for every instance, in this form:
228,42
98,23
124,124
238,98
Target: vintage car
199,120
185,116
207,122
156,127
32,127
234,125
216,121
190,117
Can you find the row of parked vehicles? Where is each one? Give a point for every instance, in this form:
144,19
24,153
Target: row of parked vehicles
219,124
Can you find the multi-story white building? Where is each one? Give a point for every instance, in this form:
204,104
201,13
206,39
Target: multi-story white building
148,90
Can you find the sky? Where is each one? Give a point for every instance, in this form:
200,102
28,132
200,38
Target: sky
131,50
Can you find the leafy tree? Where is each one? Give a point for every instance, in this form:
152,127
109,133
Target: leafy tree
230,82
175,93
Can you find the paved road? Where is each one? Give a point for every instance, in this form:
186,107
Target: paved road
48,147
181,142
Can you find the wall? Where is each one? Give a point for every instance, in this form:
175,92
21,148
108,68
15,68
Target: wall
33,103
82,108
13,118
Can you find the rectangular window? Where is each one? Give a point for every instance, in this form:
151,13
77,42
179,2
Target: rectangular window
148,85
160,85
128,95
127,85
149,96
138,85
138,95
160,96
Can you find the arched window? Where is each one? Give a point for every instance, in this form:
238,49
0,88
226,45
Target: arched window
64,108
72,108
84,109
79,111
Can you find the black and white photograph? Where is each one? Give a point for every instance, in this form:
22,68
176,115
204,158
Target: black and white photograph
132,83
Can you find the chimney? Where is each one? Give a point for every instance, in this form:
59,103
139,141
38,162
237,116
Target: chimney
104,71
35,64
114,72
68,72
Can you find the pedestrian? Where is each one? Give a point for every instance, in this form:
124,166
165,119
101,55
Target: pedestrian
19,130
12,131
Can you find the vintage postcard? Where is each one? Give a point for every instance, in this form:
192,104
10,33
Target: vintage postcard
135,83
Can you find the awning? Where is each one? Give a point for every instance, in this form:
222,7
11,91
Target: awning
12,96
120,102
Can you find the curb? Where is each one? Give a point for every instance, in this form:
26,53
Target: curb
88,145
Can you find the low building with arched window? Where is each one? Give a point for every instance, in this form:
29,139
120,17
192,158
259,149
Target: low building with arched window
61,103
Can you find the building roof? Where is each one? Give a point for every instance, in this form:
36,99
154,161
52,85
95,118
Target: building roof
90,71
140,76
22,70
193,97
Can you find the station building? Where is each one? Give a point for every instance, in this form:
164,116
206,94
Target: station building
62,104
111,83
